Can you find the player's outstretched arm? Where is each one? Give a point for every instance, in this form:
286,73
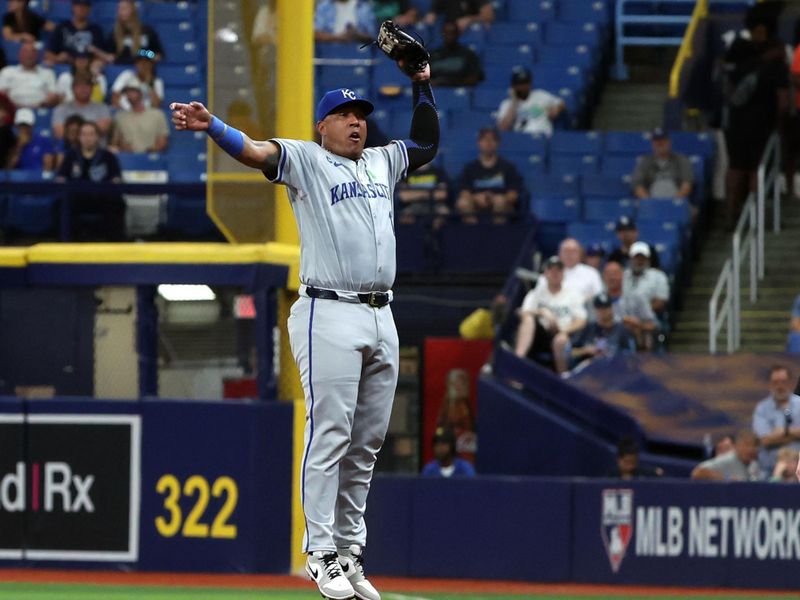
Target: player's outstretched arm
423,142
262,155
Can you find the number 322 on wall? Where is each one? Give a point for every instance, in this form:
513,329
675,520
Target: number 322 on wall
197,486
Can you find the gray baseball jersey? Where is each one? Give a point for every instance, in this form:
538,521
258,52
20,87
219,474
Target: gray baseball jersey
344,212
347,352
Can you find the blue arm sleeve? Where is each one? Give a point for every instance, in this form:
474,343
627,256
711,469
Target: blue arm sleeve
229,139
424,136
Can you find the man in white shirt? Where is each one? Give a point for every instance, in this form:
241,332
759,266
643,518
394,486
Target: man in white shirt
549,315
27,84
577,276
528,110
641,279
776,419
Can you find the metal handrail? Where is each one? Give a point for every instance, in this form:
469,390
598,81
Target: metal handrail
718,317
685,51
744,239
765,180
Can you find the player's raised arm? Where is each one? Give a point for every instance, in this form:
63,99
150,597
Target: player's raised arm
262,155
423,142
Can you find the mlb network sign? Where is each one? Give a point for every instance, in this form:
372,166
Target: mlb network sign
716,532
69,487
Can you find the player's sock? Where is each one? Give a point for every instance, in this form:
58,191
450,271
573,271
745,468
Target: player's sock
324,569
352,561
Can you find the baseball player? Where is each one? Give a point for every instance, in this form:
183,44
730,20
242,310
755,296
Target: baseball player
341,329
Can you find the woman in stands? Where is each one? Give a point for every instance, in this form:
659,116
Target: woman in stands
92,68
130,35
21,24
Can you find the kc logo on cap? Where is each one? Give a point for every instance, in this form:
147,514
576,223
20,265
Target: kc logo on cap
349,94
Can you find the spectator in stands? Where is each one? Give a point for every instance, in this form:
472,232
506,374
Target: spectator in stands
462,12
8,140
28,84
791,139
548,316
72,127
577,276
453,64
446,463
423,194
526,109
664,173
640,278
129,35
723,445
33,152
776,419
344,21
739,465
786,466
605,336
83,65
82,105
793,343
628,234
21,24
93,215
401,12
143,75
139,129
594,256
490,184
628,465
755,102
76,36
632,309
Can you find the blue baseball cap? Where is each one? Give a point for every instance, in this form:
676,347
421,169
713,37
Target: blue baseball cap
335,98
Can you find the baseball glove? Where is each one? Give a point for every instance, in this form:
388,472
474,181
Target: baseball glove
400,46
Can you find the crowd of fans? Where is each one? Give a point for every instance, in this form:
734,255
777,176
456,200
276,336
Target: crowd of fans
90,120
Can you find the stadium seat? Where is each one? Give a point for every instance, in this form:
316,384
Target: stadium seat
536,11
527,162
565,56
498,76
664,209
558,33
454,162
332,77
659,232
506,55
387,75
180,53
180,75
594,11
160,12
454,98
619,165
471,120
627,142
592,232
29,214
188,217
573,164
59,10
607,209
136,161
177,32
342,50
489,99
474,37
689,142
104,14
605,187
25,175
556,209
576,142
515,33
517,141
551,185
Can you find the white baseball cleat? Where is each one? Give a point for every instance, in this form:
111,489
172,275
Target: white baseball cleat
324,569
352,562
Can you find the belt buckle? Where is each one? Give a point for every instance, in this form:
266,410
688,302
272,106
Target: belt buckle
377,299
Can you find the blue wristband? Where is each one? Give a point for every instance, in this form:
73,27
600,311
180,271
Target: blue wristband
229,139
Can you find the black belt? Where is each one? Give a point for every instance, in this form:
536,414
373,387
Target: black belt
374,299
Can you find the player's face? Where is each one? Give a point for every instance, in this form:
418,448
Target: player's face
344,131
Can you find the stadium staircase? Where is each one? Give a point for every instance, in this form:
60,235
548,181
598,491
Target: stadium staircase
764,324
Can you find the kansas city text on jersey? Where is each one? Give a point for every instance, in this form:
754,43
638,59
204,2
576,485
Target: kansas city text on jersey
356,189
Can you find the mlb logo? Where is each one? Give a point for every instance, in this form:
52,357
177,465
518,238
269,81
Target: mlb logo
616,524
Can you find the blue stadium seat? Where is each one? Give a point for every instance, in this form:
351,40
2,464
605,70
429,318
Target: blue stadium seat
665,209
566,56
498,76
44,117
177,32
180,75
554,209
489,99
24,176
573,164
515,33
463,247
505,55
607,209
690,142
454,162
342,50
594,11
104,14
592,232
576,142
474,37
332,77
188,217
180,53
11,50
140,161
551,185
615,165
537,11
423,6
33,215
160,12
605,187
386,74
554,78
182,94
457,98
569,34
627,142
59,10
517,141
659,232
527,162
471,120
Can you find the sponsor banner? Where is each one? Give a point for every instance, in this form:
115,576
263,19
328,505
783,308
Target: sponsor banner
69,487
688,533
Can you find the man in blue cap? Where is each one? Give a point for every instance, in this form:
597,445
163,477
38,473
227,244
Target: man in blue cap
341,329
